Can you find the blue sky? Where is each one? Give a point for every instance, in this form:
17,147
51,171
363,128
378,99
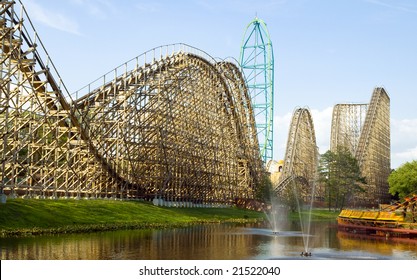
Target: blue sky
326,51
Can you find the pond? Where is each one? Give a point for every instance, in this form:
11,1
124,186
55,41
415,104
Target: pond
207,242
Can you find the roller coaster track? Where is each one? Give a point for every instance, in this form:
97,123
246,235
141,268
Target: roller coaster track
365,130
171,123
301,157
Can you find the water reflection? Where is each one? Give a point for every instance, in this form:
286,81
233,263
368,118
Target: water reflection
390,248
198,242
219,242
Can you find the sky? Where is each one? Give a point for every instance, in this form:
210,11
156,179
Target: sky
325,51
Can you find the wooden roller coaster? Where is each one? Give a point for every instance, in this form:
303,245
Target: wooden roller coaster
364,129
172,123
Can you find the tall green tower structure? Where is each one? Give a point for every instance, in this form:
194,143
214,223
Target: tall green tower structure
257,63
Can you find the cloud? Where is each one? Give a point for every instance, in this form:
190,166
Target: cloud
403,141
241,5
406,127
148,7
322,121
97,8
52,18
407,155
395,5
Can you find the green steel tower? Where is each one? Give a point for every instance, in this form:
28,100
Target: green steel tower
257,63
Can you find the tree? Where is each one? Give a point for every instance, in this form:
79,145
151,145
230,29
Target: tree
340,173
403,181
264,190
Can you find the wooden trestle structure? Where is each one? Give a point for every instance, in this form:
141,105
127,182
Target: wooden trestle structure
172,123
301,159
364,129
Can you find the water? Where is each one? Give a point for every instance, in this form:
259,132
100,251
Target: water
278,212
208,242
276,215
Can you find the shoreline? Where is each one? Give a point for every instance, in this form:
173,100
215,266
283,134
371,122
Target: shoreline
30,217
25,232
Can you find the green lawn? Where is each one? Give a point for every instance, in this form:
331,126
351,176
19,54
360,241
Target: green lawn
20,217
23,217
316,214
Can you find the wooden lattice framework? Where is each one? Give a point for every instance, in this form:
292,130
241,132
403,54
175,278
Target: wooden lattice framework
172,123
365,130
301,158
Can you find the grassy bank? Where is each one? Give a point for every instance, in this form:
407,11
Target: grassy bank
32,217
23,217
316,215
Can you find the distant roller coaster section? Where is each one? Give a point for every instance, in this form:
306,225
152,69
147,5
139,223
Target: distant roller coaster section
257,62
301,158
365,130
172,125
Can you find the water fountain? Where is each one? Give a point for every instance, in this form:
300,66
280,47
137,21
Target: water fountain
278,212
276,215
304,208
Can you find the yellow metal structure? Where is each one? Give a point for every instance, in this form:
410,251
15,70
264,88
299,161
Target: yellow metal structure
371,215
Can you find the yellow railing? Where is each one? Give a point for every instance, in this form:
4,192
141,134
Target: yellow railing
371,215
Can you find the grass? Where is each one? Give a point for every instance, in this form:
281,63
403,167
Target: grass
23,217
32,217
316,215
